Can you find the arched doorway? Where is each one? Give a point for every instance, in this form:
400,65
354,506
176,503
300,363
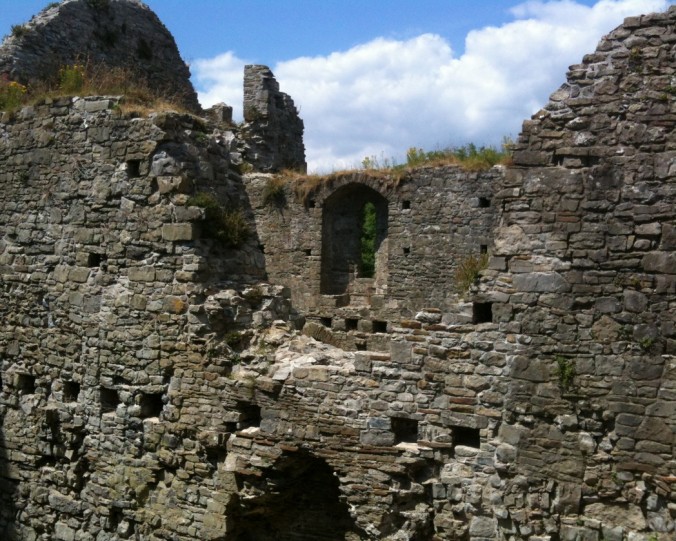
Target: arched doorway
299,499
354,247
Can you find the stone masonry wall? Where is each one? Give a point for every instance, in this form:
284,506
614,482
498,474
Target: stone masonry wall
272,129
154,387
437,217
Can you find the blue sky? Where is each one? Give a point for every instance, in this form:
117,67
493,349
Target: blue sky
375,77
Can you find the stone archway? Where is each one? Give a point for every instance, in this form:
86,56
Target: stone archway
343,229
298,499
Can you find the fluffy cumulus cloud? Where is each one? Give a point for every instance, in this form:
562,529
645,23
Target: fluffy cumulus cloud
384,96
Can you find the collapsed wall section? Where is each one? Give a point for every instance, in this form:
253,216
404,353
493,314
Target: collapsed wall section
272,130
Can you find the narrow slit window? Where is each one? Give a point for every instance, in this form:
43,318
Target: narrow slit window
134,168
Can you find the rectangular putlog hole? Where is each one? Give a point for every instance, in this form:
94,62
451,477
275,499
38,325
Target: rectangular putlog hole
109,399
469,437
71,391
25,384
405,430
482,312
380,326
151,405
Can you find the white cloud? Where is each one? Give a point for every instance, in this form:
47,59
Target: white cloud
384,96
221,79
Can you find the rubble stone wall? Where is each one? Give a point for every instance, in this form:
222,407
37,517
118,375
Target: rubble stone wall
154,386
437,218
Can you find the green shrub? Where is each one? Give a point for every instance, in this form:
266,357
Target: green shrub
468,271
226,225
12,94
565,371
72,78
19,30
367,265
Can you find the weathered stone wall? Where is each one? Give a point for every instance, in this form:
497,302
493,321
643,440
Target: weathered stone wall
108,282
118,33
272,129
436,219
154,388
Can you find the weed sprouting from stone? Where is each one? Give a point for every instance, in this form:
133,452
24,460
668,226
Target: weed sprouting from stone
468,271
565,371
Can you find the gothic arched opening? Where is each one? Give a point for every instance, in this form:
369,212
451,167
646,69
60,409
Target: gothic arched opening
298,500
354,231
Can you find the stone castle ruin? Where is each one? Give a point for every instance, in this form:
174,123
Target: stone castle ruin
189,350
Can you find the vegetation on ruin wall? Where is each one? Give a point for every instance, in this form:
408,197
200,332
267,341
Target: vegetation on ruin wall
88,79
227,225
387,171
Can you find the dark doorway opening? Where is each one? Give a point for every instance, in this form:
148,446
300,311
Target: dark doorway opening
300,500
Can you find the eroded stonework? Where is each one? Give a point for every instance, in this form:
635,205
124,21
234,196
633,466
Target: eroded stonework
159,383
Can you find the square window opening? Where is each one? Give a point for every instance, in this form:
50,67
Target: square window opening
407,250
380,326
110,399
249,415
468,437
311,203
483,248
482,312
95,260
71,391
151,405
405,205
484,202
308,252
326,321
25,384
351,324
405,430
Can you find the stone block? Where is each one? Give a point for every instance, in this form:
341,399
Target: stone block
542,282
142,274
178,232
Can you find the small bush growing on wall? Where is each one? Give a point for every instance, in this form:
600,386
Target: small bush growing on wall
19,30
226,225
72,78
468,271
565,371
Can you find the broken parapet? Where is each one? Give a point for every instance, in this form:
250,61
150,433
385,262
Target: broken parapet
113,33
273,131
